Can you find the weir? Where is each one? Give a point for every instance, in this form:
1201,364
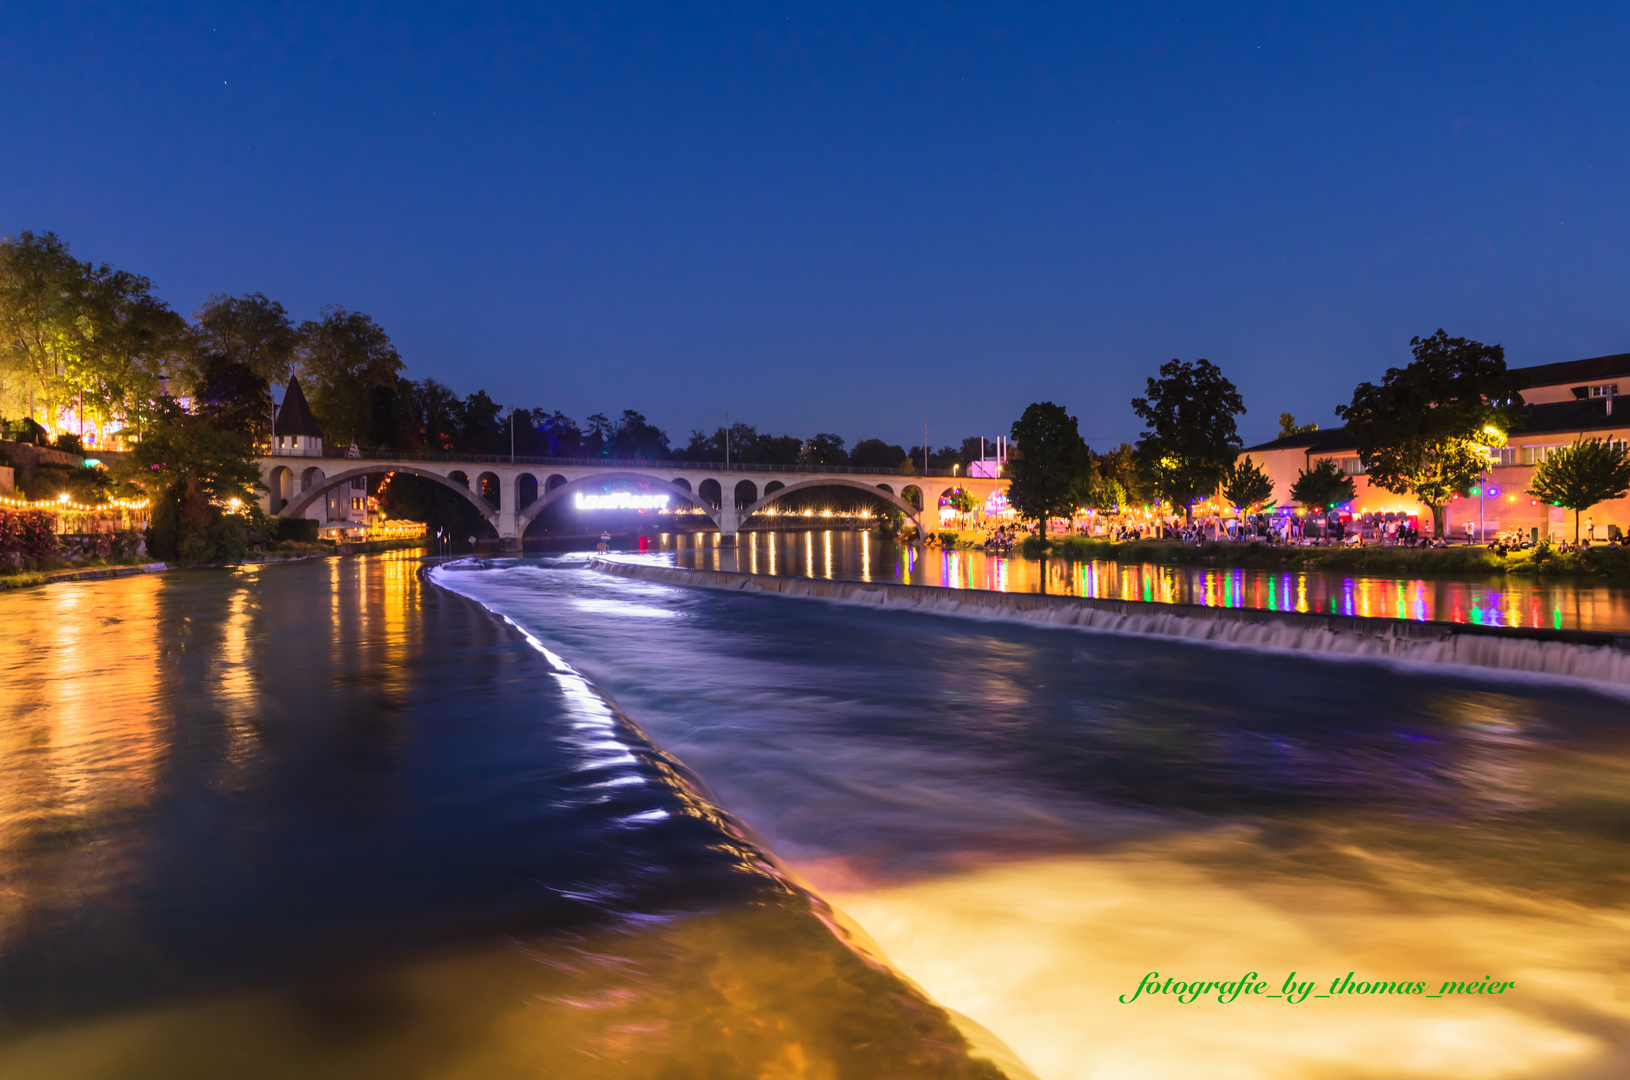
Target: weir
1588,655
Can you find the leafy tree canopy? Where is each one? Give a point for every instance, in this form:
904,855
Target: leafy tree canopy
1323,487
1192,436
249,330
824,449
344,355
1118,480
876,454
1426,429
1051,470
1247,487
1288,426
1578,477
235,399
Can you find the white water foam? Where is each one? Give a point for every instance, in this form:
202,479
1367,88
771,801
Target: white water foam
1420,646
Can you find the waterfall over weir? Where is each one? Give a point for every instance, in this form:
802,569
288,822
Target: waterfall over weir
1599,658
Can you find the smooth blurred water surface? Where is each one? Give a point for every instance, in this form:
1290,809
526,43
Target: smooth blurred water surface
1028,820
325,820
1496,601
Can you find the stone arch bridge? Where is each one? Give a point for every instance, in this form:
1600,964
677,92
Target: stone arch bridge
510,493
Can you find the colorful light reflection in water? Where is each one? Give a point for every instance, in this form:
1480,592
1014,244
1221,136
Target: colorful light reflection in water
1487,602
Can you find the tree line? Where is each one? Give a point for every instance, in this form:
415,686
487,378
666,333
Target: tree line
84,339
1425,430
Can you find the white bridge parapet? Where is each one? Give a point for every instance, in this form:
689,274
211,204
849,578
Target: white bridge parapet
525,487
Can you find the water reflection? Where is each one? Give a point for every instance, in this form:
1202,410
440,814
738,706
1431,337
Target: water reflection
324,820
1504,601
1027,822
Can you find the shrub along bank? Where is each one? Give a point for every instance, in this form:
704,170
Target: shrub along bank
1466,561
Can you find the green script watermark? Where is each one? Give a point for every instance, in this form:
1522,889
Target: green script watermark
1296,992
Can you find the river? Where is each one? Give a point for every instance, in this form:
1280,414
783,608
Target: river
330,819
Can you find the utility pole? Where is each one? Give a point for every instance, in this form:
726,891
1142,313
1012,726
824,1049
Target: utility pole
727,438
512,434
925,446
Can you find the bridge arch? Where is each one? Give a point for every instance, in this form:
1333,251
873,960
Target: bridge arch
299,506
746,493
525,517
878,490
491,490
281,486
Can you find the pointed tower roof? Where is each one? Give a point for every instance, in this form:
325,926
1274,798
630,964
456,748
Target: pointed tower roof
295,418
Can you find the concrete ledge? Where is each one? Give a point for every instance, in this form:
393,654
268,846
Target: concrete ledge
1583,654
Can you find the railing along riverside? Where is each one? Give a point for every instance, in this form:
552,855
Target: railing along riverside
654,465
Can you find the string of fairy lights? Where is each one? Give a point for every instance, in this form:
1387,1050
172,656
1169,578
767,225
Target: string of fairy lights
66,504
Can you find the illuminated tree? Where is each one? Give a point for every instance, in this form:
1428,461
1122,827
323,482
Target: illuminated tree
1192,436
1246,486
1427,429
1288,426
1580,476
1324,487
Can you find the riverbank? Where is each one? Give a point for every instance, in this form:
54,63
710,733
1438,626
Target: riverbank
81,573
1599,563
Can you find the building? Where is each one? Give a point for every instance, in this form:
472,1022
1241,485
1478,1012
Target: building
1565,401
343,510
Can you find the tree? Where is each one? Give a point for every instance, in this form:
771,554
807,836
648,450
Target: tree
42,306
1288,426
249,330
1192,436
1118,480
131,341
824,449
203,484
877,454
1324,486
235,399
1578,477
344,356
1426,430
1247,487
636,437
973,449
1052,465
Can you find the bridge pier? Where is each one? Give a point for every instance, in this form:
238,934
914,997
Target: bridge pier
729,519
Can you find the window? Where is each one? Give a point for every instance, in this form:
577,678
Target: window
1503,455
1533,455
356,504
1605,390
1352,466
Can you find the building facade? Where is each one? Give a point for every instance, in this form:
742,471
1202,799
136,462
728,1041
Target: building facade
1571,400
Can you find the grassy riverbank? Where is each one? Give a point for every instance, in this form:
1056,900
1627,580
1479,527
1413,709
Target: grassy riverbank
1461,561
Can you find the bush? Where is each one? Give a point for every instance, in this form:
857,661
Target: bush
28,534
186,528
298,530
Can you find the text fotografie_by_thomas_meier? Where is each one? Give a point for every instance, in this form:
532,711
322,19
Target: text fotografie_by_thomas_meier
1296,992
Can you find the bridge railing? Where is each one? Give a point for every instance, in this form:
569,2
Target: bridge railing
657,465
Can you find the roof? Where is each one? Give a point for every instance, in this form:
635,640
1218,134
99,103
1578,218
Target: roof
1570,416
1574,371
295,418
1322,441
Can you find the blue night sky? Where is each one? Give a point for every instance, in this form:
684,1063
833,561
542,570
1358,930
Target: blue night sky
841,220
